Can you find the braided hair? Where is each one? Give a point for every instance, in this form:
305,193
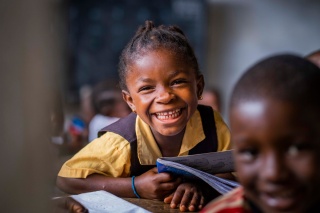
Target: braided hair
150,38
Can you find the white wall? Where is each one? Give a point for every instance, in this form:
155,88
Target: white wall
242,32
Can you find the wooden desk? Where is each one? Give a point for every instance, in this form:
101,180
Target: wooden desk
154,206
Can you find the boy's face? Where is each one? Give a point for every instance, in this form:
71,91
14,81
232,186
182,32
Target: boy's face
277,155
164,91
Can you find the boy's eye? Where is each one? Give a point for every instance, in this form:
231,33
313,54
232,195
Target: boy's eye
295,149
247,154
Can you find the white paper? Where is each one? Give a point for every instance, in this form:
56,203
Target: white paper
105,202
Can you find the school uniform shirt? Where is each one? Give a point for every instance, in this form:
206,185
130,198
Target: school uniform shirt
231,202
109,154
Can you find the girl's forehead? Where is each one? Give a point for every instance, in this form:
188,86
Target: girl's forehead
156,52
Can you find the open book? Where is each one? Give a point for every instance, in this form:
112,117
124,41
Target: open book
105,202
202,166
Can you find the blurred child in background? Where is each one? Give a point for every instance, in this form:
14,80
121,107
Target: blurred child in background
274,117
211,97
108,106
314,57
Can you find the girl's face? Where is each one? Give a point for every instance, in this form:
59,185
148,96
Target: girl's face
163,90
277,155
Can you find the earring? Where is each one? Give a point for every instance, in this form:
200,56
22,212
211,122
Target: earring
200,98
134,111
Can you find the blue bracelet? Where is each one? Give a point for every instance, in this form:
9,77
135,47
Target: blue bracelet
133,187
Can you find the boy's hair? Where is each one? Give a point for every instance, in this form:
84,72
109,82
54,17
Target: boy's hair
284,77
149,37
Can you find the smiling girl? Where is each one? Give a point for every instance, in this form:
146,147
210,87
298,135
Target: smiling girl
161,82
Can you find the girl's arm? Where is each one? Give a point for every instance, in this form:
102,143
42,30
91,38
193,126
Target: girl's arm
150,185
118,186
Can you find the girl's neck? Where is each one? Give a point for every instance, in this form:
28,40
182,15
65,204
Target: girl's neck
169,145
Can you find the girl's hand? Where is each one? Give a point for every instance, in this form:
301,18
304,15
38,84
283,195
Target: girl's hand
188,197
154,185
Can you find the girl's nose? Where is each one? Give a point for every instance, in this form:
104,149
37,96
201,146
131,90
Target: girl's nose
164,95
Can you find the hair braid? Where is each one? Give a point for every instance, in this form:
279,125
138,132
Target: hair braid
149,38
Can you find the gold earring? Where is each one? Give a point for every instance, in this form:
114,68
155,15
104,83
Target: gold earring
134,111
200,98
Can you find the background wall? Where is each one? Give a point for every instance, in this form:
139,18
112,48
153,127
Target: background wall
99,30
242,32
228,35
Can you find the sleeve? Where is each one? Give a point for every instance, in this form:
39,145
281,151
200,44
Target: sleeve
223,133
108,155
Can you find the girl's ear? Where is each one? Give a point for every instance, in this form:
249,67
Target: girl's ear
200,86
127,98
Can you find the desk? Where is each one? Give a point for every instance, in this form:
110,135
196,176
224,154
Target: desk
154,206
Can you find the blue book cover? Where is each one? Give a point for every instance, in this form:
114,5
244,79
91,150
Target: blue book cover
202,166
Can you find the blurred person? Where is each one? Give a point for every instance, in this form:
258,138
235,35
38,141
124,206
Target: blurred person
108,106
314,57
77,122
274,117
57,119
211,97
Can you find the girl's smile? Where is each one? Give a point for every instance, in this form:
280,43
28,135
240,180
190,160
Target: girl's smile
168,115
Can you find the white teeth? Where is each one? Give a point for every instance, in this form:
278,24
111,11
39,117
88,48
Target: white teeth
168,114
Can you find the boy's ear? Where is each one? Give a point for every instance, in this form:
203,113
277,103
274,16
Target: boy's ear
127,98
200,86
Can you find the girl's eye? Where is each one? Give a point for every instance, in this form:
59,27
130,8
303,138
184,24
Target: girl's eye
145,88
179,81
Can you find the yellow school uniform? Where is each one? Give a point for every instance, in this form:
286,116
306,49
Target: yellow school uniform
109,154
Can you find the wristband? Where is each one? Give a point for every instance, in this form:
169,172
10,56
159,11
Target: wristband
133,187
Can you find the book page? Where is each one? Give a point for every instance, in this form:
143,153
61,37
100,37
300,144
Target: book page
105,202
212,162
219,184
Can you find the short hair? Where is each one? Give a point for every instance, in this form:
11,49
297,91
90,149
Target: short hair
148,38
283,77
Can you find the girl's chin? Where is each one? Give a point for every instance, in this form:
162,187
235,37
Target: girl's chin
170,132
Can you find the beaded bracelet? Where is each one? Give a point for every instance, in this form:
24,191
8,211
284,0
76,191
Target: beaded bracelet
133,187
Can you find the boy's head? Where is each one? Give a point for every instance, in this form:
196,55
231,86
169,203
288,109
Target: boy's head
274,117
